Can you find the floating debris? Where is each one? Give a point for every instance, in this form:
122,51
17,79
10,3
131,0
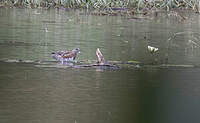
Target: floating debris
100,58
36,12
13,60
48,21
152,49
92,64
46,29
125,41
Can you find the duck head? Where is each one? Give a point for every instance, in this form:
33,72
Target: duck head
76,50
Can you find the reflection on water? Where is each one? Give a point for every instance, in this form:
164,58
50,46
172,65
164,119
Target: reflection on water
31,94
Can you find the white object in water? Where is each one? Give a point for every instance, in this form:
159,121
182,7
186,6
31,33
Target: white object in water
46,30
36,12
152,49
100,57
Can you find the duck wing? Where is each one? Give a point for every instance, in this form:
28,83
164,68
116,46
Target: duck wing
62,52
68,55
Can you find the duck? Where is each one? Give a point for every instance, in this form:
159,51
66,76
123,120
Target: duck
66,56
152,49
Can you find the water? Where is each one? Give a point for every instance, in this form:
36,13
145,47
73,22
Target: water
33,94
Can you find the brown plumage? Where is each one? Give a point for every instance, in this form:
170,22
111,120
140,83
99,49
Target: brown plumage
66,55
69,55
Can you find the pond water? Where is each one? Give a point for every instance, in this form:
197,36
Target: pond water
34,94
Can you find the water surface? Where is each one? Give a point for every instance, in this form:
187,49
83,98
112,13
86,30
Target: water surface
32,94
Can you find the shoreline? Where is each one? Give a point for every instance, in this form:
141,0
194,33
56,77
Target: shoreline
106,7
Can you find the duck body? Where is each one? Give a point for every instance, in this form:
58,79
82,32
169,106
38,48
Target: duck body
66,56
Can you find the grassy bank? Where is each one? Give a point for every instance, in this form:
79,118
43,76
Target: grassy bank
138,5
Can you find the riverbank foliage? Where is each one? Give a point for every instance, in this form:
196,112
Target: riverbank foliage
105,4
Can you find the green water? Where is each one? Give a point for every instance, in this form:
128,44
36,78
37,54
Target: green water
32,94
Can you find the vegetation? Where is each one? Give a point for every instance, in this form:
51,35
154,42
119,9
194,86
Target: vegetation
105,4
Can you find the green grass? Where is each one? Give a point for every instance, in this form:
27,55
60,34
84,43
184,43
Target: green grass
101,4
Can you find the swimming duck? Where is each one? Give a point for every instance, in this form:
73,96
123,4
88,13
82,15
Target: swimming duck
67,56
